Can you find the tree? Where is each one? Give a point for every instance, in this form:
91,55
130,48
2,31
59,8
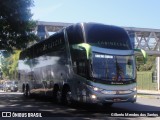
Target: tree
16,25
16,28
149,66
10,64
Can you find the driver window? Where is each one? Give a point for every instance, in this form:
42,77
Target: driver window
81,68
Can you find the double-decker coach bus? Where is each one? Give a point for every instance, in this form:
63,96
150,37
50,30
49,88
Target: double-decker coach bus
85,62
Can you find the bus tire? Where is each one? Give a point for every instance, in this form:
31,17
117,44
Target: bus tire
27,91
23,90
56,95
66,96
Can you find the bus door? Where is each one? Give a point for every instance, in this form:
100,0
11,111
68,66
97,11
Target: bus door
83,71
79,58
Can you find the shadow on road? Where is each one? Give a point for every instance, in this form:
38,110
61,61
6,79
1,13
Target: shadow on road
16,102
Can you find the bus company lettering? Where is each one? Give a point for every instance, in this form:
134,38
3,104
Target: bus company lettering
118,44
52,44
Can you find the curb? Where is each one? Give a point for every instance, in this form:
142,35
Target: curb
144,95
148,94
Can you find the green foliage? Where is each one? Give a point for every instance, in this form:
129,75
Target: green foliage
149,66
16,25
145,81
10,65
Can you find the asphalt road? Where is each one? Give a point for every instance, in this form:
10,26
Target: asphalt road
15,102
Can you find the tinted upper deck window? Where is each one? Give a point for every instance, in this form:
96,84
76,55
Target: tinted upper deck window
107,36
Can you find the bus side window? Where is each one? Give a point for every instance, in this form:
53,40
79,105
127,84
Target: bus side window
81,68
79,62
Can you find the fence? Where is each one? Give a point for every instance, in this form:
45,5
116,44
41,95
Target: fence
146,81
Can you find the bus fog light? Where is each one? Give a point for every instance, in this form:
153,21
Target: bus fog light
135,96
94,88
93,96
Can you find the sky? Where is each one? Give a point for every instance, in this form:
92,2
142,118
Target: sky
125,13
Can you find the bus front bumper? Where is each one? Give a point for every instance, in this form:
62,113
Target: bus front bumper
98,97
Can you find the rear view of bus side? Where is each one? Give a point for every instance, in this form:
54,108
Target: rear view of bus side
85,62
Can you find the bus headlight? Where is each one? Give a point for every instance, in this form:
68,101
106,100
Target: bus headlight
95,88
134,89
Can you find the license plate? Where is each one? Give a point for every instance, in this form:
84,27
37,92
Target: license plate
116,99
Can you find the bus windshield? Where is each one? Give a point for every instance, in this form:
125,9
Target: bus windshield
113,68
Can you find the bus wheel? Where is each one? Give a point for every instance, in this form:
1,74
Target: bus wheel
27,91
67,100
23,90
57,96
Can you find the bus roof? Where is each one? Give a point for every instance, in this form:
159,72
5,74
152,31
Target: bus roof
97,34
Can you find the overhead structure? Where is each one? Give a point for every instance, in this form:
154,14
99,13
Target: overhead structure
44,28
143,38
